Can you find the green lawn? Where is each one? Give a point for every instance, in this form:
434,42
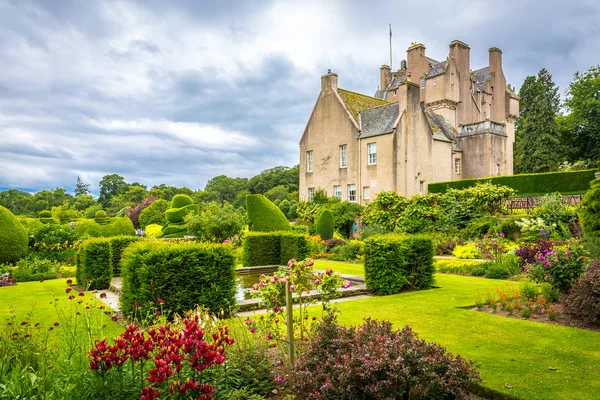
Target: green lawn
516,356
341,267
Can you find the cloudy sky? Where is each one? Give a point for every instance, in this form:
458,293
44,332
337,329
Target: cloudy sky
177,92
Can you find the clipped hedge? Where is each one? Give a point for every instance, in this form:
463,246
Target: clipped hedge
264,215
154,214
13,238
590,211
528,184
117,245
183,274
273,248
117,226
94,262
325,225
395,262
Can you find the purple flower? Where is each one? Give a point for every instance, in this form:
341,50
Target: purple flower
276,309
292,287
261,284
346,284
501,234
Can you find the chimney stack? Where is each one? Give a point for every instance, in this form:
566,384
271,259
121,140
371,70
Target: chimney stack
329,81
385,77
495,59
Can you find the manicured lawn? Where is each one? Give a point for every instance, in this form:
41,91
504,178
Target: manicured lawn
341,267
517,357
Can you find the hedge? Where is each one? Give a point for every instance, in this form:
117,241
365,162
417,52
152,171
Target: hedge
273,248
264,215
117,226
154,214
395,262
325,225
590,211
528,184
117,245
13,238
94,262
183,274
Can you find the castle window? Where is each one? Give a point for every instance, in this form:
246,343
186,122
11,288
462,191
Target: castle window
337,192
422,83
371,153
366,193
311,194
457,166
422,105
309,161
498,169
422,187
434,81
452,78
343,156
352,193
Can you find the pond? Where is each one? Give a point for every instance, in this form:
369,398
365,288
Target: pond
244,284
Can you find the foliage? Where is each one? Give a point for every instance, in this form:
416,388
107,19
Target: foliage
458,267
216,222
385,211
54,237
101,217
350,251
95,264
81,188
324,225
133,212
528,184
522,304
116,226
118,244
272,177
264,215
34,269
153,231
395,262
344,213
154,214
183,274
223,188
527,253
111,186
491,247
13,238
273,248
590,211
373,361
467,251
583,300
91,211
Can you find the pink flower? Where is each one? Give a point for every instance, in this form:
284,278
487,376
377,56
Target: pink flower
252,329
160,301
347,284
292,287
501,234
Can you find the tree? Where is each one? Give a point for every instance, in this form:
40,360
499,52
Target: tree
82,201
537,139
269,178
581,127
279,192
81,188
17,201
222,189
111,186
215,222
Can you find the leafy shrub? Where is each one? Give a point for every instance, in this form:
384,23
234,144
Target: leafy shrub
273,248
583,300
458,267
184,275
54,237
561,268
372,230
373,361
331,243
264,215
46,217
153,230
33,269
133,213
510,228
551,295
480,226
445,245
481,270
154,214
529,291
324,225
101,217
13,238
527,254
554,209
590,211
466,251
350,251
117,226
90,212
117,245
216,222
316,245
496,271
95,264
394,262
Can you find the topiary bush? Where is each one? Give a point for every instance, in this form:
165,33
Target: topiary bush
13,238
176,227
590,211
116,226
101,217
46,217
583,301
154,214
395,262
324,225
264,215
185,275
273,248
94,265
54,237
117,245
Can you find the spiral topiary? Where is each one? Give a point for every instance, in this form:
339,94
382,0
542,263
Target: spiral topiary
46,217
101,217
13,238
176,227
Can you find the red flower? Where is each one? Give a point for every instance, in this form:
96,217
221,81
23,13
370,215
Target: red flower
69,281
102,295
56,324
160,301
67,290
148,393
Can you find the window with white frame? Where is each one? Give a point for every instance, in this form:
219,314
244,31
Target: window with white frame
422,83
352,193
311,194
366,193
371,153
309,161
457,166
337,192
343,156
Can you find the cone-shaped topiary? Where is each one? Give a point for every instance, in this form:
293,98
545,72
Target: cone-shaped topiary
325,225
264,215
46,217
101,217
13,238
590,211
176,227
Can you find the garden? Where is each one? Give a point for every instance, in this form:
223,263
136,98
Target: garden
460,298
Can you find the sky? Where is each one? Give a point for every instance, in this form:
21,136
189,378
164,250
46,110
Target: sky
180,91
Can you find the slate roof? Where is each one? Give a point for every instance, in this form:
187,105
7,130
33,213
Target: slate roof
437,69
356,102
396,82
379,94
442,129
379,121
431,61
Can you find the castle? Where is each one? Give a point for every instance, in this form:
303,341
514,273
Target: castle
430,121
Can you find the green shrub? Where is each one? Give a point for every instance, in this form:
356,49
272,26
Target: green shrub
350,251
154,214
583,300
394,262
216,222
90,212
185,275
101,217
54,237
458,267
117,245
497,271
264,215
117,226
273,248
590,211
324,225
528,184
153,231
46,217
510,228
95,264
13,238
480,270
466,251
480,226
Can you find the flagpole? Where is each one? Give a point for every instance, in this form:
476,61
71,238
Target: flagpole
391,68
